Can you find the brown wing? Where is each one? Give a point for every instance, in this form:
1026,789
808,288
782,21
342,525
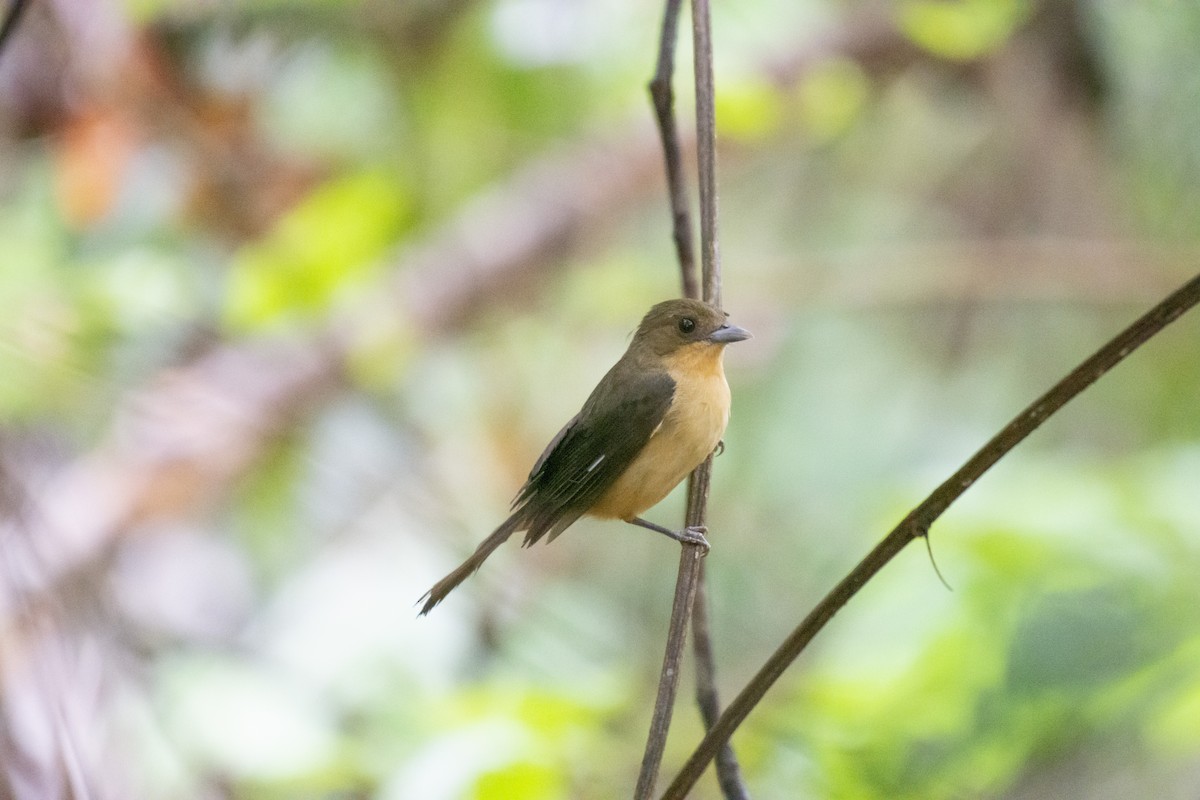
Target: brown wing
584,459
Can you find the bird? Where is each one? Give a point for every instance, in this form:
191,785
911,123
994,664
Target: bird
654,417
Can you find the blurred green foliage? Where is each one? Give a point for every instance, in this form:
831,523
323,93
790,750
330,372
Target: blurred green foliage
331,243
872,204
962,30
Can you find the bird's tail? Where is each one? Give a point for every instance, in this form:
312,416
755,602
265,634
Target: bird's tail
463,571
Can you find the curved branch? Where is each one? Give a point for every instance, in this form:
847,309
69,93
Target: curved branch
919,520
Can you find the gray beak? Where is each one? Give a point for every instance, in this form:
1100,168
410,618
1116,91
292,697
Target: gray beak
727,334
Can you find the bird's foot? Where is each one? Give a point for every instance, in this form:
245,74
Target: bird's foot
694,534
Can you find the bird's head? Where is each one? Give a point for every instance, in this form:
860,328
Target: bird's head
674,324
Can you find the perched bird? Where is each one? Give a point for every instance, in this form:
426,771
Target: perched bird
651,420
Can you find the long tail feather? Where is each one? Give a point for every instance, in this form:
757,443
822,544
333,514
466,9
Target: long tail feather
447,584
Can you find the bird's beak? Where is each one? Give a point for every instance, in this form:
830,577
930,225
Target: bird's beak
727,334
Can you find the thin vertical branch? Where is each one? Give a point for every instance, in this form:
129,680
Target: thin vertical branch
689,560
729,772
921,518
706,151
668,681
663,98
662,95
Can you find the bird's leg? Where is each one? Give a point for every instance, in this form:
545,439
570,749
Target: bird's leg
693,534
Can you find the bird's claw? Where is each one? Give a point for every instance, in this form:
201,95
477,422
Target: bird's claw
694,534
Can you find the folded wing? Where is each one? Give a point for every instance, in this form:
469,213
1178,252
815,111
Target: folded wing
591,452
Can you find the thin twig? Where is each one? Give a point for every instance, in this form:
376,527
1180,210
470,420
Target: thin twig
919,520
662,95
729,772
663,98
689,559
10,21
668,681
706,151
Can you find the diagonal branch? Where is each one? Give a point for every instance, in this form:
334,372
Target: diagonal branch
919,520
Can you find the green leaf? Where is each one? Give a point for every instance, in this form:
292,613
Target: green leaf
523,779
326,246
747,110
831,98
964,30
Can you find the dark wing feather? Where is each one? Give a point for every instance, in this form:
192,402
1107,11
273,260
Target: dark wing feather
587,456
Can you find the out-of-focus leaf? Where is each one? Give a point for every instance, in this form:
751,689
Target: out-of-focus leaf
1072,641
527,780
504,739
1057,639
327,246
1173,728
831,98
962,29
748,109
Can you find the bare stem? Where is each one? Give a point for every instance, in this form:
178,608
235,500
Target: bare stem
729,773
662,95
668,681
706,151
919,520
690,576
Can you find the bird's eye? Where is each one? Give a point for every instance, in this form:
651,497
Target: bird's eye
687,325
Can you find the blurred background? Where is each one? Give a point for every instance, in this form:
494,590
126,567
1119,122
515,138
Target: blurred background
293,292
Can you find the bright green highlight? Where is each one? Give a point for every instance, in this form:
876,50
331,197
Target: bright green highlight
747,110
330,242
832,97
961,31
